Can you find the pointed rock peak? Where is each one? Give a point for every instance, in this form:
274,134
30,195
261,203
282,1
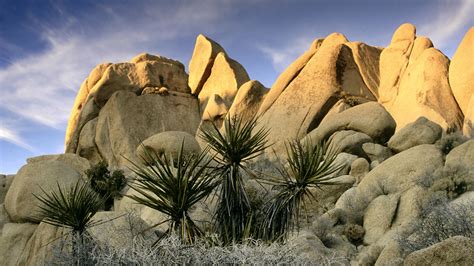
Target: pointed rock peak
334,39
406,31
421,43
215,109
200,65
316,44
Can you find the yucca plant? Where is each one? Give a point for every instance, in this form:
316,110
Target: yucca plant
173,187
308,166
233,148
72,208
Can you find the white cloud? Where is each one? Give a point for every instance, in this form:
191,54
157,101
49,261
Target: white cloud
13,137
283,56
452,17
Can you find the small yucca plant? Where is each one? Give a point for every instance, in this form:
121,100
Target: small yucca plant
72,208
173,188
233,148
308,166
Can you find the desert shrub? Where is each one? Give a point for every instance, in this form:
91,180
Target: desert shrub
450,141
174,187
234,147
107,184
309,166
439,220
452,182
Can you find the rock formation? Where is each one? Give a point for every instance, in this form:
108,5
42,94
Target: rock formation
394,114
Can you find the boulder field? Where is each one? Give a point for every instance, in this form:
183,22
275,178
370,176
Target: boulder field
401,117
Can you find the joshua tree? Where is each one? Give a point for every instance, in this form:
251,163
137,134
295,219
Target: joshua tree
308,166
234,147
173,188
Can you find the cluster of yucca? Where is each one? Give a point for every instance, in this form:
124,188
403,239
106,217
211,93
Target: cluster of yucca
173,185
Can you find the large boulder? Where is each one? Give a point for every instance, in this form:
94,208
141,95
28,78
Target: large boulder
168,143
127,119
379,216
13,241
461,158
330,75
32,179
456,250
204,54
288,75
424,91
226,77
394,60
468,127
142,71
461,72
370,118
422,131
349,141
248,99
76,162
376,152
87,147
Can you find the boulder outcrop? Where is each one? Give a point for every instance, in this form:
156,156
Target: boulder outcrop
248,100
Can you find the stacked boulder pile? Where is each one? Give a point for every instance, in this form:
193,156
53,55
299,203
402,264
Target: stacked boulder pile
402,118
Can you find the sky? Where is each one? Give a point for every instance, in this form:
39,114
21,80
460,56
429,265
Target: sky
47,48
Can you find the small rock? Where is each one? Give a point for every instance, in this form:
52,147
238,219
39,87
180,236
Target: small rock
422,131
359,168
376,152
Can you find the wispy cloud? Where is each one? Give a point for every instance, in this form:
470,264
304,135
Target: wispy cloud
282,56
453,15
41,87
11,136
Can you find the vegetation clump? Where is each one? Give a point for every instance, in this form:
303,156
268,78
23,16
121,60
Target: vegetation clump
107,184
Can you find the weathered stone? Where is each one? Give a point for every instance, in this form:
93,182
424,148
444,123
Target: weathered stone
367,59
288,75
394,60
330,74
349,141
379,216
461,72
13,241
216,110
424,91
127,119
76,162
422,131
248,99
369,118
4,219
456,250
87,147
204,54
461,158
5,183
168,143
421,43
226,77
376,152
32,179
468,126
89,112
359,168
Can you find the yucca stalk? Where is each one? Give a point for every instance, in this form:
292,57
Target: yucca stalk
233,148
173,188
309,166
71,208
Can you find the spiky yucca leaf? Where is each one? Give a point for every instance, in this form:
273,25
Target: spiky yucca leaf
71,207
308,166
174,187
237,144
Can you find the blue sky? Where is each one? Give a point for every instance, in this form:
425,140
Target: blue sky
47,48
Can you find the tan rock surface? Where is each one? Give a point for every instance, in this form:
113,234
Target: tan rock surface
13,241
204,54
216,109
248,99
87,147
288,75
127,119
394,60
226,77
367,59
422,131
456,250
169,143
421,43
20,203
331,74
76,162
468,127
461,72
